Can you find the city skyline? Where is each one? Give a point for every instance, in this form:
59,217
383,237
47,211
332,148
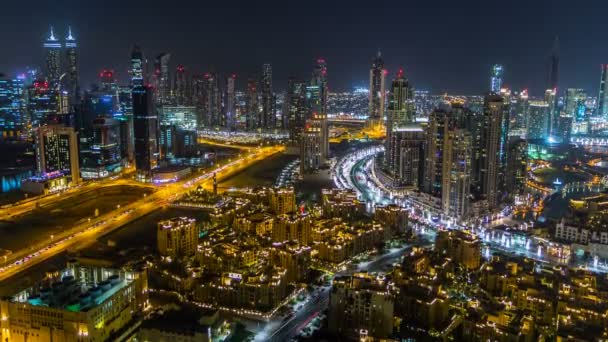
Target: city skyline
433,57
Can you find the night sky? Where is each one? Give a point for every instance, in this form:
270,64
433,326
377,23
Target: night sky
442,45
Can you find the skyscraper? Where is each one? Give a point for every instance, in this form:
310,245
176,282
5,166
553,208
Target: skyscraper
267,115
408,156
57,151
553,66
551,100
181,94
145,128
314,144
496,81
538,116
457,173
71,60
12,107
575,104
161,77
400,114
295,108
53,59
251,105
437,134
602,106
493,152
319,78
137,67
212,105
377,78
229,117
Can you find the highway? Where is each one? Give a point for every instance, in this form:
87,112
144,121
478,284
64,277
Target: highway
90,230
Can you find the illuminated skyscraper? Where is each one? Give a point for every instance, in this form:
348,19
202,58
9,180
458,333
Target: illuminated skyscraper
137,67
377,92
251,105
12,107
229,117
407,156
496,81
267,115
438,128
319,78
53,59
295,108
212,105
145,128
456,177
400,113
602,106
57,151
161,78
314,144
493,153
575,104
551,100
71,59
538,117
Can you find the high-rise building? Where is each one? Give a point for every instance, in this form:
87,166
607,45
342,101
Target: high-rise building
493,154
212,105
12,107
538,117
407,155
553,66
138,65
162,81
252,109
177,237
295,108
319,78
267,115
521,110
575,104
496,81
71,63
400,114
42,102
457,173
313,144
438,128
52,47
181,90
229,117
602,104
57,151
517,166
377,91
551,100
102,158
145,133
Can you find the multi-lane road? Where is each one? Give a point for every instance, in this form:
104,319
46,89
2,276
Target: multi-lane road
90,230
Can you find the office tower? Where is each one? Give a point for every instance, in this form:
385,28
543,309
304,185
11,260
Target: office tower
181,93
313,144
211,101
42,102
251,105
521,110
102,157
57,151
71,63
267,115
319,78
493,153
125,122
161,77
553,66
553,111
400,114
166,140
229,117
361,307
517,166
177,237
138,65
456,178
377,76
538,117
295,108
12,107
52,46
145,128
438,128
575,104
496,81
602,104
407,155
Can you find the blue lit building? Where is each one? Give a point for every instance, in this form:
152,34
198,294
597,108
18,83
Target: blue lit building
12,107
496,81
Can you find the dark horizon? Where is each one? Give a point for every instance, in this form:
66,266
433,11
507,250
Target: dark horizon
443,47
